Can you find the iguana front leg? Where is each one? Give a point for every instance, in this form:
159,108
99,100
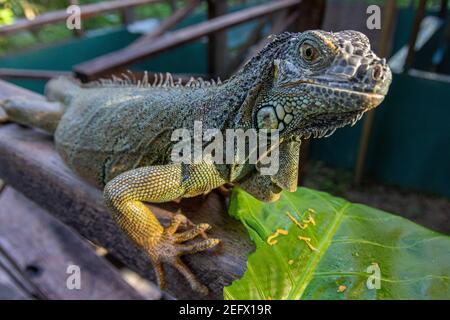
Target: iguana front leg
125,195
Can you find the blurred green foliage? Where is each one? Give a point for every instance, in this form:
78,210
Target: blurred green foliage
11,10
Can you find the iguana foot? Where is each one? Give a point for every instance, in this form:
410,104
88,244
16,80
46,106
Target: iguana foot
169,247
125,196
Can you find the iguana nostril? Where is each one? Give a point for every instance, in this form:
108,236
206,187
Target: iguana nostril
377,73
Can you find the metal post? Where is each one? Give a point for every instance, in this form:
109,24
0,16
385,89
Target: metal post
217,42
388,27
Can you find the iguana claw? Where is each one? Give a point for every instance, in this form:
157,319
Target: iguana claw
169,247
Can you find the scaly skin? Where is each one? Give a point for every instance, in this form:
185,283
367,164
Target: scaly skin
116,134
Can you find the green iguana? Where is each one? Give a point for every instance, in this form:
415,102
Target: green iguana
117,133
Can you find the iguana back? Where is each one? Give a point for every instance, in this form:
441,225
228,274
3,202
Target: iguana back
110,129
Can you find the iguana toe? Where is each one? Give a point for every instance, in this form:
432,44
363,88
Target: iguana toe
169,247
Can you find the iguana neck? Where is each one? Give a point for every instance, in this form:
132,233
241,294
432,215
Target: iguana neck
240,92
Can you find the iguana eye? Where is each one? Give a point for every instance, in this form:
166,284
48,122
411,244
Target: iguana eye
308,52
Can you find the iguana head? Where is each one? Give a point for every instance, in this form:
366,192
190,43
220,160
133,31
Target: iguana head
320,81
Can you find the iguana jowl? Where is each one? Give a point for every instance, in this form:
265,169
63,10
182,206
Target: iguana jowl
117,133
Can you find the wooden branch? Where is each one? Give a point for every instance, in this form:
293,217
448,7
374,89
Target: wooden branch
41,249
89,10
167,24
91,69
29,163
6,73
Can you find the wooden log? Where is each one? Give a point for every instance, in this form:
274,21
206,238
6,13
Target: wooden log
13,285
96,67
29,163
43,249
89,10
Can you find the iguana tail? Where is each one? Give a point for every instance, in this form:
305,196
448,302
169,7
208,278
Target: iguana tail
40,114
62,89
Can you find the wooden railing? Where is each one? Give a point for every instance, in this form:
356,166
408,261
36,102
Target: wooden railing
87,11
32,74
106,64
160,40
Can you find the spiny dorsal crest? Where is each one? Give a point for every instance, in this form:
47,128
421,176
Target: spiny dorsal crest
256,64
160,81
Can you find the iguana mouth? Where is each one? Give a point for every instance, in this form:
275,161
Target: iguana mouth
340,87
350,105
325,124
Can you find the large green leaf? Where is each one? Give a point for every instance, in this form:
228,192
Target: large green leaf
414,262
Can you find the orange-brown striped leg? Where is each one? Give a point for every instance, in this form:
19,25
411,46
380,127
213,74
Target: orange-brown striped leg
125,195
